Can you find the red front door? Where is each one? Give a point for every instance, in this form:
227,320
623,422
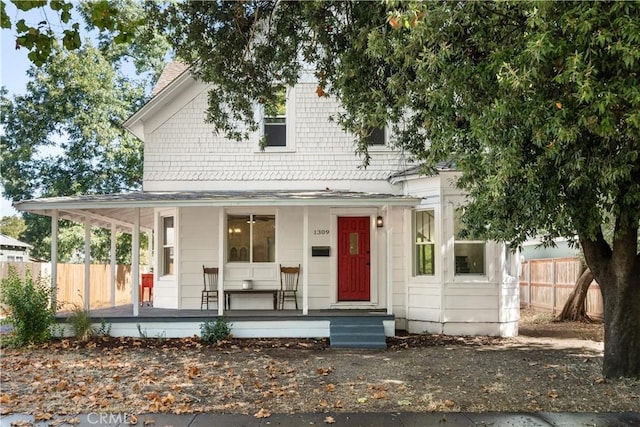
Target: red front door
354,259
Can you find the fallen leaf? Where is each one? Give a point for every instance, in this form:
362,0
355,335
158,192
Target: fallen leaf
262,413
133,420
404,402
552,394
329,420
449,403
330,387
362,400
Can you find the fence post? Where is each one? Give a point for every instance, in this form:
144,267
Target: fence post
553,286
529,284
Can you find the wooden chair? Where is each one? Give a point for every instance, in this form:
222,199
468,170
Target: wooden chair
210,291
289,277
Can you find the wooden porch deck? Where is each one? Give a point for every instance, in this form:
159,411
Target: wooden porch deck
124,313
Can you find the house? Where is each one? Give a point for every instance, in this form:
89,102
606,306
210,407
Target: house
13,250
376,241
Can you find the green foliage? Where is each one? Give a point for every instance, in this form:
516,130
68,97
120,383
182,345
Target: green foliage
64,136
30,313
105,329
13,226
81,323
213,331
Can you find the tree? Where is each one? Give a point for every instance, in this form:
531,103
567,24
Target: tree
535,102
12,226
64,136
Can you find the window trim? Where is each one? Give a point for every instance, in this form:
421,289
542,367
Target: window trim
457,240
415,244
164,246
251,237
290,140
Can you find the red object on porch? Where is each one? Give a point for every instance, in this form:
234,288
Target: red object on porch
147,283
354,263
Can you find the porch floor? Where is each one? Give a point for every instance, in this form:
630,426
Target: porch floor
124,313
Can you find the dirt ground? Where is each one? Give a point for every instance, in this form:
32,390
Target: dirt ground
549,367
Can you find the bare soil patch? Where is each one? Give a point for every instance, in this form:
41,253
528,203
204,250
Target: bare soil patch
537,371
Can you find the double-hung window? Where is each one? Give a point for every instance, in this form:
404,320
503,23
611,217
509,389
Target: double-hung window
376,137
424,244
469,254
168,243
275,121
251,238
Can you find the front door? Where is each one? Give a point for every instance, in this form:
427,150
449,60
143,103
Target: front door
354,259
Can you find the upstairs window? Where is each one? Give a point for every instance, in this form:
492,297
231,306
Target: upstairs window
424,244
469,254
251,238
275,121
376,137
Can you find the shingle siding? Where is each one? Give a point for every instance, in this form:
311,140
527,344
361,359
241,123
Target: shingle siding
186,149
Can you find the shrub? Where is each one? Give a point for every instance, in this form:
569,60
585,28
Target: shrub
213,331
30,312
80,321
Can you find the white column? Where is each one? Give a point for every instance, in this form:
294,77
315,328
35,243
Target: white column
54,258
221,234
389,242
150,260
135,262
113,266
305,262
87,263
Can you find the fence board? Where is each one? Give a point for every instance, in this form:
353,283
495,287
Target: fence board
545,284
71,281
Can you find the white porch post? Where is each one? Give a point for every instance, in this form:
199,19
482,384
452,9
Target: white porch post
54,258
113,266
87,263
135,262
221,231
389,242
150,260
305,262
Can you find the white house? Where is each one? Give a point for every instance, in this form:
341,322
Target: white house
13,250
378,240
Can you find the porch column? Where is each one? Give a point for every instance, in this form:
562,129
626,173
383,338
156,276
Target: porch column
135,262
87,263
221,232
150,259
389,242
305,262
54,258
113,266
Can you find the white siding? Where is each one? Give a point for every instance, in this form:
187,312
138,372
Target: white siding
184,153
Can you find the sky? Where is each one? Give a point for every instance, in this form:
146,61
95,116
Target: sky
13,71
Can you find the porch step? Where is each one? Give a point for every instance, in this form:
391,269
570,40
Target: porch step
357,332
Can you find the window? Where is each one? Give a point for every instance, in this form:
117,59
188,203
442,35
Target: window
376,137
168,242
252,238
424,245
469,254
275,122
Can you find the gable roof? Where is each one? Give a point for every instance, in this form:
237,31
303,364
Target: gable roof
171,71
6,241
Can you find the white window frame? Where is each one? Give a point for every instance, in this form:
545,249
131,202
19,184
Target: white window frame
457,240
415,244
250,249
164,245
290,143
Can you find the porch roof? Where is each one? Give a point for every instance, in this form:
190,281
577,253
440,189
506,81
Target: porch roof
103,210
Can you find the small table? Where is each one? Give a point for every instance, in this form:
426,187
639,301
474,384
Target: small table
229,292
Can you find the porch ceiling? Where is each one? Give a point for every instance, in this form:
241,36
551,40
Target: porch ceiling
119,209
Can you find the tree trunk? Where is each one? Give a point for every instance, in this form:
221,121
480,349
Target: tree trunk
622,330
575,308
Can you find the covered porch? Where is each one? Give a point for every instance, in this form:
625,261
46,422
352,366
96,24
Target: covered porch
306,225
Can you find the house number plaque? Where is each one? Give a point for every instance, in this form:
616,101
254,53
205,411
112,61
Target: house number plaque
320,232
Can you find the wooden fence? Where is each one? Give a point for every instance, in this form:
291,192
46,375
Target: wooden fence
545,285
71,281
